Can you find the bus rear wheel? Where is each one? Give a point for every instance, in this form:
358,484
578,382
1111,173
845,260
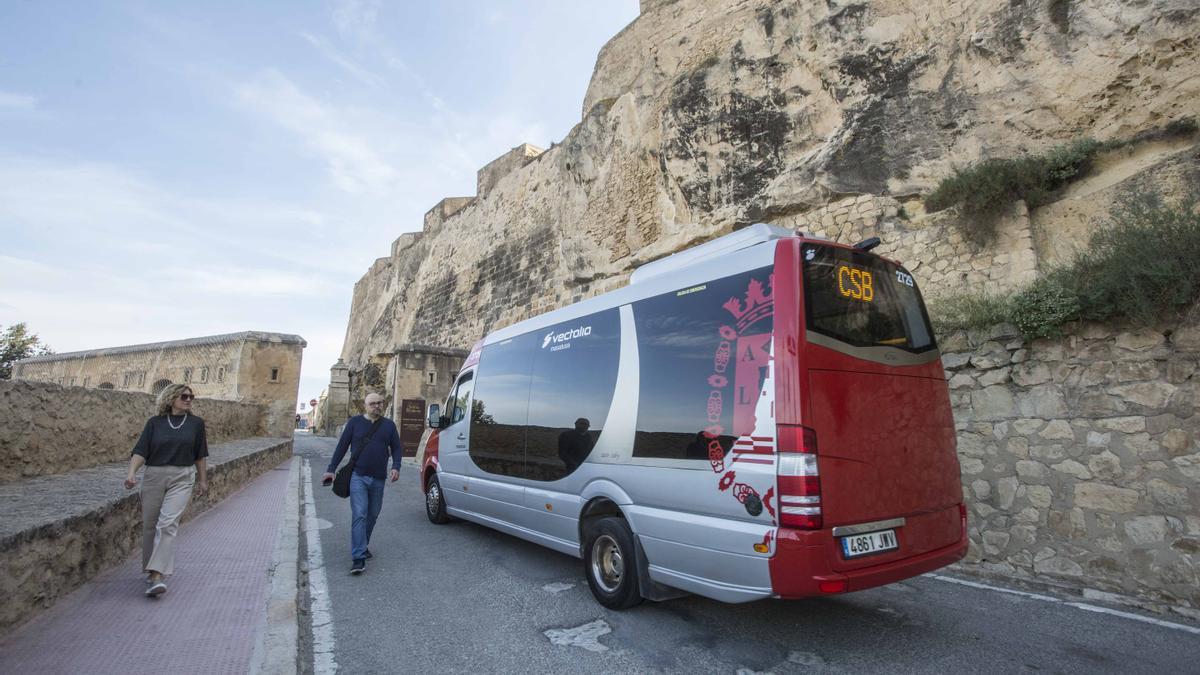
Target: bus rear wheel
435,503
610,563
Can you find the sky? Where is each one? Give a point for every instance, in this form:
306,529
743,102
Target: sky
172,170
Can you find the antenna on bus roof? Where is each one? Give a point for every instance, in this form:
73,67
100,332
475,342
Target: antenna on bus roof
868,244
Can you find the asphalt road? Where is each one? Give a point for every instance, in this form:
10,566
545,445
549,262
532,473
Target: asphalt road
464,598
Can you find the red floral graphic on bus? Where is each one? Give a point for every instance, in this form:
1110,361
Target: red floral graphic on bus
744,343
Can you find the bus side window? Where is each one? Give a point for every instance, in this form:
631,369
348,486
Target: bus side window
704,354
461,402
500,409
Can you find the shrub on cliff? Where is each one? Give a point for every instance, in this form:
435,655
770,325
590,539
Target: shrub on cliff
985,191
968,310
1144,259
1042,309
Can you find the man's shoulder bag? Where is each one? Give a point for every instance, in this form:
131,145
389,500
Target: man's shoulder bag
341,481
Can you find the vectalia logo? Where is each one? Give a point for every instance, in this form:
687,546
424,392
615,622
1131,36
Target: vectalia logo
556,338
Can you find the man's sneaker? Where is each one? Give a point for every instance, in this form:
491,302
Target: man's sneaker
157,588
368,555
359,566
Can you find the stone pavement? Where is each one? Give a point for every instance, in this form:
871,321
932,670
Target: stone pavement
210,619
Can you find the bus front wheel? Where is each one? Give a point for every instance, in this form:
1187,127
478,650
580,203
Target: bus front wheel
610,563
435,502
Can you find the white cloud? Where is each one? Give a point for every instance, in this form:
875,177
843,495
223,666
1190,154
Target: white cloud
344,62
327,132
356,18
239,281
99,256
10,99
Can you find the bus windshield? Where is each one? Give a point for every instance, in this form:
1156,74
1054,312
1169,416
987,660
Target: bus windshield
863,300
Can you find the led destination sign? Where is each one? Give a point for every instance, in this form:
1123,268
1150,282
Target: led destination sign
856,283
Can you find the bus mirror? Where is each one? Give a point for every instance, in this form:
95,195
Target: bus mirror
434,418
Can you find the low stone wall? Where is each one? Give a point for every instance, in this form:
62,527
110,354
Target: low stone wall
60,531
48,429
1080,460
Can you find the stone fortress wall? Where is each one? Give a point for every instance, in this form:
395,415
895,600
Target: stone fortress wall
251,367
64,452
1079,457
48,429
835,118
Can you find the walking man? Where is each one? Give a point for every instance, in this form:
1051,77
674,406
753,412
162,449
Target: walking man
371,438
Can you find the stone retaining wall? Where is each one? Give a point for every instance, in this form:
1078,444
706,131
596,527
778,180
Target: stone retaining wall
50,429
1080,460
60,531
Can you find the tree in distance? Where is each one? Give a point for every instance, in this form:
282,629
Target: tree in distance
17,343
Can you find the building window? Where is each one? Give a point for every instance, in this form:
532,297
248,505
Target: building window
204,374
61,380
187,374
274,374
433,377
126,379
87,380
221,374
142,379
72,380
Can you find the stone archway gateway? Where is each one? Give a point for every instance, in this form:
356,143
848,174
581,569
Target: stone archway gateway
159,386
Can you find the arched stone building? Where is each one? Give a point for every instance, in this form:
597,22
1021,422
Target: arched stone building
250,366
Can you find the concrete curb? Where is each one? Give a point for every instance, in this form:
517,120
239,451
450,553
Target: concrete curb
275,646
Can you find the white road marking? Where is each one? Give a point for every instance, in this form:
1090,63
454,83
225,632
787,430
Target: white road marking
585,636
1115,612
805,659
318,587
557,587
976,584
1078,605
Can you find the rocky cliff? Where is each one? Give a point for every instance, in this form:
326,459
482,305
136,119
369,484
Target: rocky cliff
705,115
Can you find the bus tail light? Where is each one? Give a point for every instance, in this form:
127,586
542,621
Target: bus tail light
799,479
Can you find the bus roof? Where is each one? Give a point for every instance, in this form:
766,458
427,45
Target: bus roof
739,251
743,238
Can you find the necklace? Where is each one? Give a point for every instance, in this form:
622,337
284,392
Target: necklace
180,424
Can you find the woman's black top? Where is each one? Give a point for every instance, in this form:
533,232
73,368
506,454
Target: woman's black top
163,445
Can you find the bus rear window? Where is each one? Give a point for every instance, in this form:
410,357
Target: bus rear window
863,300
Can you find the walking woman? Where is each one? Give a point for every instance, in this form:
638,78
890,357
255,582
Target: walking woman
174,448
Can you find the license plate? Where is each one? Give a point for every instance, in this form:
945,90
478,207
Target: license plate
871,542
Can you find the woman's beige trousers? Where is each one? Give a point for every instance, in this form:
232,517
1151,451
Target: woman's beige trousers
165,494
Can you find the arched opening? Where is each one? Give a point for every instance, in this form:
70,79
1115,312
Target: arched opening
106,385
159,386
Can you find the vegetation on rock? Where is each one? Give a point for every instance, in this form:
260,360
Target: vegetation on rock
1143,260
986,190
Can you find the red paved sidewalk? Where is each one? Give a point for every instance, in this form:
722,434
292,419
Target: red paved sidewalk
206,622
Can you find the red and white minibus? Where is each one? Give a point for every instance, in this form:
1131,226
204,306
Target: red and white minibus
764,415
